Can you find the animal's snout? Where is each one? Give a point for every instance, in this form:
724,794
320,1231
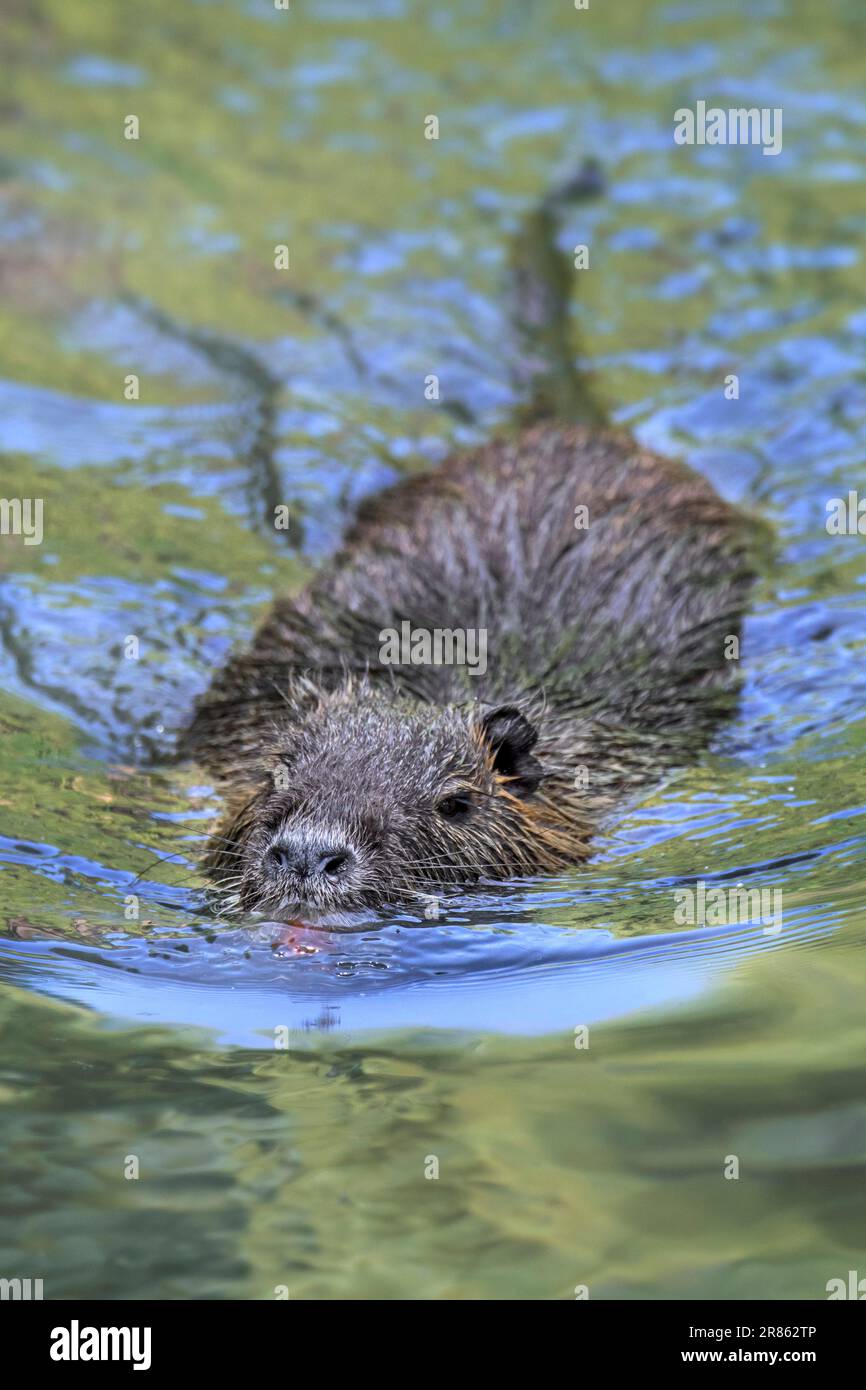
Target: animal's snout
293,854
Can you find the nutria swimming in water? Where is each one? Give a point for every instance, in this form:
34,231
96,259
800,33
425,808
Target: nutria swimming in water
604,581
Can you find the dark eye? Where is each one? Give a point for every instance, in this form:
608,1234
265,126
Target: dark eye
456,807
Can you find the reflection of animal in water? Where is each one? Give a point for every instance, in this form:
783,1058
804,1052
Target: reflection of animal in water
603,578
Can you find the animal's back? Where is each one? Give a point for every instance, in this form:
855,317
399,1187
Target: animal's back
603,575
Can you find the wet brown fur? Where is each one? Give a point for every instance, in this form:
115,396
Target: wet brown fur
606,652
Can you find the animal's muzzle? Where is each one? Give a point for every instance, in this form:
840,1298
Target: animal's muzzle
307,859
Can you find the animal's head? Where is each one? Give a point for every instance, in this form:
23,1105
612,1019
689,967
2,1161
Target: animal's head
365,798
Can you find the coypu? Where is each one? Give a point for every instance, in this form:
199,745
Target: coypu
352,781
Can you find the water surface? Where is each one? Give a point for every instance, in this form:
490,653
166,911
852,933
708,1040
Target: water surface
285,1094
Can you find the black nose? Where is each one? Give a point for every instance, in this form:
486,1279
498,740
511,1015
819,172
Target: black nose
293,855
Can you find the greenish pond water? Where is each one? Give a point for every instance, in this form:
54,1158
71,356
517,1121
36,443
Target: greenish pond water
288,1100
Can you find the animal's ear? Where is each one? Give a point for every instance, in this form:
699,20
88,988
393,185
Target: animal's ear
511,738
